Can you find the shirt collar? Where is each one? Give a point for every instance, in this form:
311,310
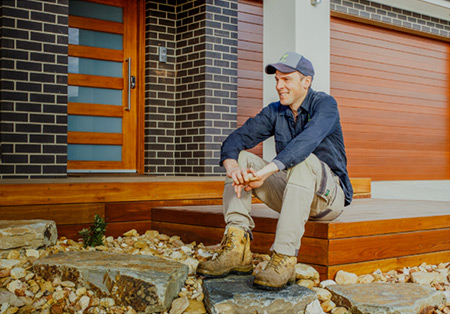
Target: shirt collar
306,105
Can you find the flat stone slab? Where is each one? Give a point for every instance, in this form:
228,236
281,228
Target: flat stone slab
26,234
386,298
236,294
147,283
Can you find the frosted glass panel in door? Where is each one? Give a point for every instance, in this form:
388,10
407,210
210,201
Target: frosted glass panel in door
92,95
95,11
81,152
94,124
95,67
95,39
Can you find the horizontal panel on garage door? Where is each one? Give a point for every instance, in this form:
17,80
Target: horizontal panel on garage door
392,91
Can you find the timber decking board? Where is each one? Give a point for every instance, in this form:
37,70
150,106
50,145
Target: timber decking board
105,192
378,216
364,217
375,247
125,211
63,214
390,263
369,232
123,189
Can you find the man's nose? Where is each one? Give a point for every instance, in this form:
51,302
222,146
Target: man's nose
279,85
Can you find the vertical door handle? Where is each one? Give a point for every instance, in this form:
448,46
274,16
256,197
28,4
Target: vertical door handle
131,84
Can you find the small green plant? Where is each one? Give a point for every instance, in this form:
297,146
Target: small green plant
94,235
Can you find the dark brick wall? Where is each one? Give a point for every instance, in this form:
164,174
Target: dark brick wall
191,100
160,88
33,92
390,15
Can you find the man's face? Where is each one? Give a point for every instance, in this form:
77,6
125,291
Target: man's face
292,88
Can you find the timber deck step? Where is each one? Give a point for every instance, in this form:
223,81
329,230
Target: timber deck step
371,233
125,202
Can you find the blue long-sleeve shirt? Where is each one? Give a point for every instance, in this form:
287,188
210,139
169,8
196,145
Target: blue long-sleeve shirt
317,130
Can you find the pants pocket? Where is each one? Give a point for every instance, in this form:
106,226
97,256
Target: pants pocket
326,192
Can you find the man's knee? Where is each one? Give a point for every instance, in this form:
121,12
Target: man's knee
244,156
250,160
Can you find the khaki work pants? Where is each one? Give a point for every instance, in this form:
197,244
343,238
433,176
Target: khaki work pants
309,190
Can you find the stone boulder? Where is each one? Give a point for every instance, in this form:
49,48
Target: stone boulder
149,284
26,234
385,297
236,294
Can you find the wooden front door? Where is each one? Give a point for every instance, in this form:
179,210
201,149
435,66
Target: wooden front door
102,97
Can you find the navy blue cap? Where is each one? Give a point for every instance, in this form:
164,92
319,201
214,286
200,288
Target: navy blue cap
290,62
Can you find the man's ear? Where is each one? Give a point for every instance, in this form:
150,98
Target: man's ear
307,82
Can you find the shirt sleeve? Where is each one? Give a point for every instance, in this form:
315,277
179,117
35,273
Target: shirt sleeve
254,131
324,118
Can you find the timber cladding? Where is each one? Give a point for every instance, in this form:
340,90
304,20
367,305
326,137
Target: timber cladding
392,92
250,62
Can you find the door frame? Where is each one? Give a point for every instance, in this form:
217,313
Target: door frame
138,91
140,86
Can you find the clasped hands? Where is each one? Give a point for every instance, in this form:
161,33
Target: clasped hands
247,179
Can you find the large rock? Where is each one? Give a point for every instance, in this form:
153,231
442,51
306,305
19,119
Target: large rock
26,234
235,294
385,297
147,283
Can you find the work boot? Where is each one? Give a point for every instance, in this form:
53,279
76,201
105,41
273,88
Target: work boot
279,272
234,256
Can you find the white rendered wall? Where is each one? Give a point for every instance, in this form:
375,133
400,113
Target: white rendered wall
295,25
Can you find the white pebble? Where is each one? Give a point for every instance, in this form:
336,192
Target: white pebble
32,253
72,297
15,285
84,302
328,282
18,272
58,295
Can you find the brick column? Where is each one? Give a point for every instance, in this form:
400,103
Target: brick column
206,107
33,95
191,100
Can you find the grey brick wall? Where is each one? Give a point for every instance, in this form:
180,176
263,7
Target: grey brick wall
391,15
160,88
191,102
33,92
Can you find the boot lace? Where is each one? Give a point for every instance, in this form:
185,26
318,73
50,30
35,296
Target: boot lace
226,245
276,261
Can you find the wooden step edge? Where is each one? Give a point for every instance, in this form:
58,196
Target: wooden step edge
340,230
387,264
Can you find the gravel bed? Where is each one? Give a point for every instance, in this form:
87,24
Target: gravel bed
22,291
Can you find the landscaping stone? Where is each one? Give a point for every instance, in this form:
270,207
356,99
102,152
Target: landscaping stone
147,283
236,294
385,297
314,308
33,294
345,278
303,271
426,278
10,298
26,234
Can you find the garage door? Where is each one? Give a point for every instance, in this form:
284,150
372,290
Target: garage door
393,94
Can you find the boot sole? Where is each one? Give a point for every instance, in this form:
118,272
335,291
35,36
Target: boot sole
267,286
239,272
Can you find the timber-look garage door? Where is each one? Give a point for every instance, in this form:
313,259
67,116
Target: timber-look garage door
393,94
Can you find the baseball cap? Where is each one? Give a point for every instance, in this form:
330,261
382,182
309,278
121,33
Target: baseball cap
290,62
